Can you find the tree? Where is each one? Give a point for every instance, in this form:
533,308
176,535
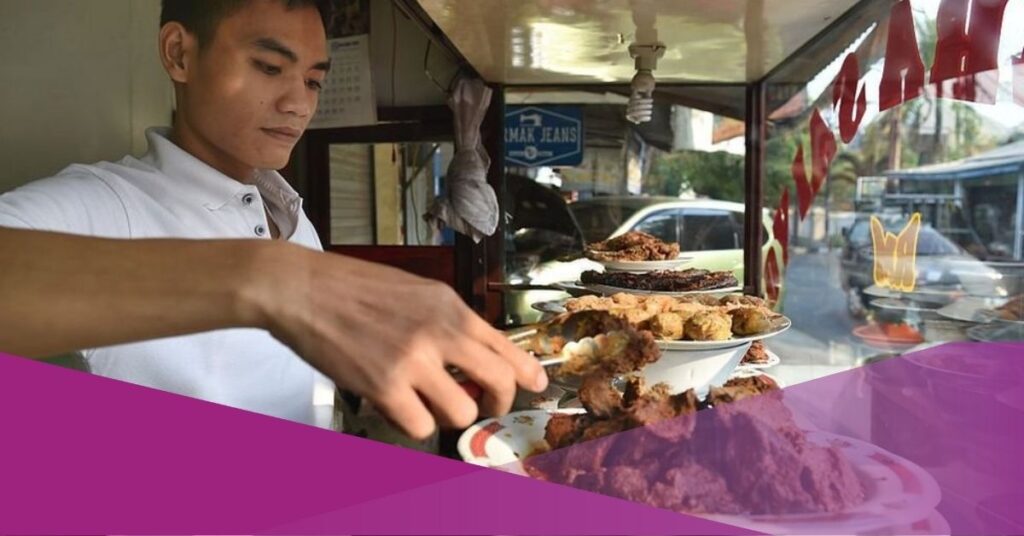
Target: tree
717,175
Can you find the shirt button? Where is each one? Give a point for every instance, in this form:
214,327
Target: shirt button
260,230
248,199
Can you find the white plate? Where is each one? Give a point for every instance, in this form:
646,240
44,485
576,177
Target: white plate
783,324
991,315
558,306
522,335
608,290
682,370
933,525
997,332
640,267
553,306
970,309
501,441
773,359
923,294
898,491
906,306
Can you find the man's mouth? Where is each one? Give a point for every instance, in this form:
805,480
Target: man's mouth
285,134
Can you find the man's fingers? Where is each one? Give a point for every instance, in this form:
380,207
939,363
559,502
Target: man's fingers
527,370
488,370
405,409
451,404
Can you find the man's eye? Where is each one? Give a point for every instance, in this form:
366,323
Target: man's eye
267,68
315,85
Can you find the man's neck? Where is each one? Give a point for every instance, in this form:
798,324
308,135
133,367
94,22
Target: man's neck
194,144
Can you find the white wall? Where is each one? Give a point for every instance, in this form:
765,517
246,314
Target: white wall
79,82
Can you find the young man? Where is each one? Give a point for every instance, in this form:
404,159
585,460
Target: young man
140,261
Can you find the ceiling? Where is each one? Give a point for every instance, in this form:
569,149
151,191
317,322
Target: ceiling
530,42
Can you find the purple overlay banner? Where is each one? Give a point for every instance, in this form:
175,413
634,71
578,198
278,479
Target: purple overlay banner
925,443
81,454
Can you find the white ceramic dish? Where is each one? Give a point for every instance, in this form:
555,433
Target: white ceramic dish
640,267
608,290
970,309
697,370
997,332
898,492
782,324
505,440
991,315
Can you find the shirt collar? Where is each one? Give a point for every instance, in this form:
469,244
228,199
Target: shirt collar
195,178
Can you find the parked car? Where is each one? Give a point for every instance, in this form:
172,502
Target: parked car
940,263
708,231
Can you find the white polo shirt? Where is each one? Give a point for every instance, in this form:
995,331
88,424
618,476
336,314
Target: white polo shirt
171,194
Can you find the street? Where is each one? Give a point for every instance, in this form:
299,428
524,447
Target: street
820,341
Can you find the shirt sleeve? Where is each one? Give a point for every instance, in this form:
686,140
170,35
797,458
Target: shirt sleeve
75,201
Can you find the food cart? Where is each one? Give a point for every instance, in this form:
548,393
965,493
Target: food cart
605,118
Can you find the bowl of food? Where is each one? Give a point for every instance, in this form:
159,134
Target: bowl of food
694,369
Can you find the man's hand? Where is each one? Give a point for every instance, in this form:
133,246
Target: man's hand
388,336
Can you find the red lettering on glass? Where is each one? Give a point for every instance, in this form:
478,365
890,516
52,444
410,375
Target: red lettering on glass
903,74
823,150
780,225
772,277
803,186
968,44
849,101
1018,78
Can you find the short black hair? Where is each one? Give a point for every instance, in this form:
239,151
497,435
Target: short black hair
201,17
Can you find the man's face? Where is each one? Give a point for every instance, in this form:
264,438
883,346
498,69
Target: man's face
254,86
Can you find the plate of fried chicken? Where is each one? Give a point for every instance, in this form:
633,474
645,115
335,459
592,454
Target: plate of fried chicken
635,251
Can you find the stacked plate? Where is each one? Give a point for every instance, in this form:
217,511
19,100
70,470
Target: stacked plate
980,319
638,267
900,495
684,364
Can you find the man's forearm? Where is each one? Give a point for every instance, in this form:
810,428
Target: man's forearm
61,292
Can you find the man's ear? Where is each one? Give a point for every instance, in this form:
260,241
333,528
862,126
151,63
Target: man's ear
177,47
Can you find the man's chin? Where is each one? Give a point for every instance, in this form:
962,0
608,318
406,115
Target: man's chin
276,162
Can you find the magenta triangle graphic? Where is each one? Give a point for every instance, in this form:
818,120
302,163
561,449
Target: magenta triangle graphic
84,454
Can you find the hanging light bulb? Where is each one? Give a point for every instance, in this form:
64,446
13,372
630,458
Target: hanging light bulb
641,97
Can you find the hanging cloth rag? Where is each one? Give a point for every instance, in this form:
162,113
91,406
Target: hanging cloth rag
469,205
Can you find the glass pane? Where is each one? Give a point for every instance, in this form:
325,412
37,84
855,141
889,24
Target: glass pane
935,166
711,230
664,225
629,178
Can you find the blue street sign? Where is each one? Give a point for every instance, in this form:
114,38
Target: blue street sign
543,136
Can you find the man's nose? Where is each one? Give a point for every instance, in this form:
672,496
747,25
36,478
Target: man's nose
298,100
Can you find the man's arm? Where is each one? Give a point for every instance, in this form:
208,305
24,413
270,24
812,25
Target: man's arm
380,332
64,292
